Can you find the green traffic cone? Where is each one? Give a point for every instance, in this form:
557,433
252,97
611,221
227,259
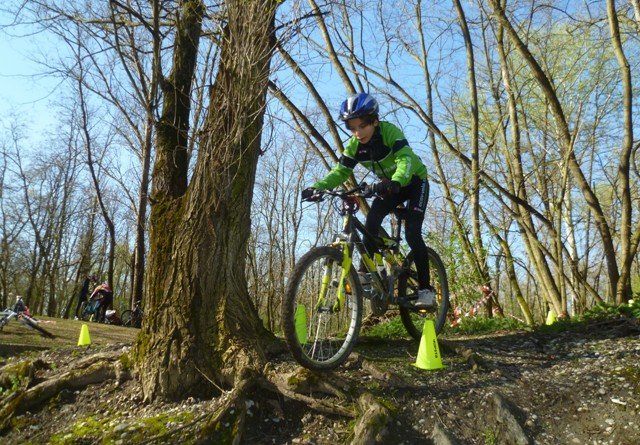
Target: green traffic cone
84,339
300,322
429,352
551,317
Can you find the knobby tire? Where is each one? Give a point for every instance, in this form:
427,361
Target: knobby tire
127,318
130,319
413,320
328,336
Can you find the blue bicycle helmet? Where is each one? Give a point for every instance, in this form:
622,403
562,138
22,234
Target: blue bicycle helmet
359,105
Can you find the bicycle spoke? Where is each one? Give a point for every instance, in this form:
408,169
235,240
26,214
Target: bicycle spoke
414,319
321,320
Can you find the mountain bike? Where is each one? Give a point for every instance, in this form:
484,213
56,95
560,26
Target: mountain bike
132,318
7,315
89,310
323,304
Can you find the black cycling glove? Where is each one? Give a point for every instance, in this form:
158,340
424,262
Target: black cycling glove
309,193
383,188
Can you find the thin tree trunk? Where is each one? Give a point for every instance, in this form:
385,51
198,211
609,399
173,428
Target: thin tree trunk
513,154
478,254
623,290
567,145
88,140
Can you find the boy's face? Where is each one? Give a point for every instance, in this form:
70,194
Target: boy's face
362,130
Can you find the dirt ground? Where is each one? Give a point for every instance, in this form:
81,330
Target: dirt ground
575,387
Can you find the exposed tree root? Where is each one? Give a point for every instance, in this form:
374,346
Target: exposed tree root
20,374
326,407
226,425
387,377
506,418
441,436
303,381
94,369
475,361
371,425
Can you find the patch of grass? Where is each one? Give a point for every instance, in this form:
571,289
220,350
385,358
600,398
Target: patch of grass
632,375
601,311
482,325
605,310
489,437
16,339
391,328
157,425
86,428
98,431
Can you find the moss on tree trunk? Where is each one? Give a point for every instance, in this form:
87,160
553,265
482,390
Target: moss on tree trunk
202,327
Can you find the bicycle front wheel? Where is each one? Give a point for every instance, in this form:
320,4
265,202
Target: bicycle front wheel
413,319
127,318
322,310
34,325
84,311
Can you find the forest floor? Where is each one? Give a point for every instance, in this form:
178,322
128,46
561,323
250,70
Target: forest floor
580,386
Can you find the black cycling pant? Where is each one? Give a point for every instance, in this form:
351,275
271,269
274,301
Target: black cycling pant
417,195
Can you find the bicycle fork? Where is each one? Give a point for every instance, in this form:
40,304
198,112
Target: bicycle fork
322,306
345,267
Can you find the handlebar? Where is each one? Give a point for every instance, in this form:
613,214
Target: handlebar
358,191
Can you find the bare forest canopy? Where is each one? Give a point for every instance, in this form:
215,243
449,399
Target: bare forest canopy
524,113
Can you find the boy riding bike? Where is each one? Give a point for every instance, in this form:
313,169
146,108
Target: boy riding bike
382,148
104,294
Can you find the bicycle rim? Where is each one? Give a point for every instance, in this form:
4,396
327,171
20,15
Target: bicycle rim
137,320
125,318
319,331
412,319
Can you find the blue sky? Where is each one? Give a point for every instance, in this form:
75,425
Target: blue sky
24,93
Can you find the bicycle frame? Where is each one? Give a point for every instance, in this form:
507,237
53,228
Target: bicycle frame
349,238
6,316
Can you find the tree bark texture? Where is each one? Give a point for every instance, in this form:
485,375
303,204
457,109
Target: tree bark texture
627,252
566,140
202,326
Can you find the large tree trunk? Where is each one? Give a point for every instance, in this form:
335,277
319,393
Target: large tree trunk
202,325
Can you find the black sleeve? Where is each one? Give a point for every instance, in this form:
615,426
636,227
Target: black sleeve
399,145
348,162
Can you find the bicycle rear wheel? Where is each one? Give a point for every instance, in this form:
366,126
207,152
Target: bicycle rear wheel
413,319
319,331
136,321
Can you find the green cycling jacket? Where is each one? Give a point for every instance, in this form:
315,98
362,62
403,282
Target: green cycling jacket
387,155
